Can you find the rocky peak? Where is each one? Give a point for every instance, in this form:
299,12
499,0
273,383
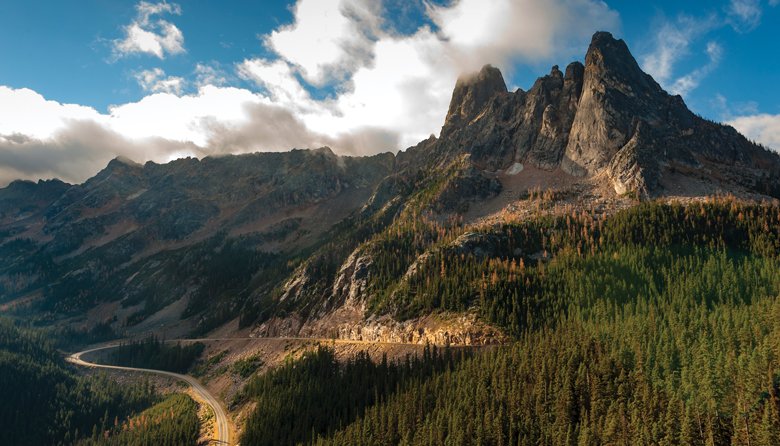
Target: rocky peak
616,95
472,92
575,71
118,166
603,116
608,53
556,72
325,151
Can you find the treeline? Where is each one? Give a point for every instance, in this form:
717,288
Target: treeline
677,373
510,270
656,325
171,422
317,395
153,353
45,403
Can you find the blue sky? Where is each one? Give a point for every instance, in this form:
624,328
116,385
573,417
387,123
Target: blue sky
86,80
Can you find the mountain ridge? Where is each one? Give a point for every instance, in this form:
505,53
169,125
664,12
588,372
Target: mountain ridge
297,242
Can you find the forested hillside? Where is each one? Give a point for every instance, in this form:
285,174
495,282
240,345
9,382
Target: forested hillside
659,324
45,403
153,353
318,395
537,271
171,422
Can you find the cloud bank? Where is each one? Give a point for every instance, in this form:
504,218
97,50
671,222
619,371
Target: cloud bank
378,89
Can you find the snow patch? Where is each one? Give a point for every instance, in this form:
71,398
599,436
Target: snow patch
515,169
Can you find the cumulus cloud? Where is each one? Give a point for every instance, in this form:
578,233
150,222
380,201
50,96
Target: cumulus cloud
44,138
209,74
76,151
511,29
278,79
147,34
156,81
274,128
179,118
328,39
403,83
763,128
25,112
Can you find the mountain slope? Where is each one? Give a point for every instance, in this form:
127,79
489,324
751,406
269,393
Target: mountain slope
598,135
310,243
153,235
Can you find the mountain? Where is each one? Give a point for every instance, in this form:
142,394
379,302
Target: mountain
151,235
606,119
310,243
22,199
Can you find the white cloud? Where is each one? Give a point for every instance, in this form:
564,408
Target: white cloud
672,43
73,142
149,35
155,81
404,83
181,118
763,128
745,15
328,38
25,112
508,29
687,83
277,78
207,74
77,151
386,91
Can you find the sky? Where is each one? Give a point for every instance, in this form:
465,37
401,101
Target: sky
85,81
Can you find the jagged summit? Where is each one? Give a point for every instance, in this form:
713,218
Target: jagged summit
125,160
472,92
606,119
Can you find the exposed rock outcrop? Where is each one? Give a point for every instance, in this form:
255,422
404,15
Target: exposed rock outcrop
606,118
471,94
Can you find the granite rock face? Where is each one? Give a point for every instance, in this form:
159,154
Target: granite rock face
606,117
471,94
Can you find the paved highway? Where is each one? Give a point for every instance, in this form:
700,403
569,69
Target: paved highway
223,429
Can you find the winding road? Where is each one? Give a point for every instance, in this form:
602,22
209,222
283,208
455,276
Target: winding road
223,429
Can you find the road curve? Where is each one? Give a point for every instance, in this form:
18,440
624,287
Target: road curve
223,429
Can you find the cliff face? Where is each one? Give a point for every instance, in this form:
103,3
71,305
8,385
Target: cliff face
606,117
522,126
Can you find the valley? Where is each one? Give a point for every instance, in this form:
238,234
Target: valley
585,262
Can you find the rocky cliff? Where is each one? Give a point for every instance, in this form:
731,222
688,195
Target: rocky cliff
604,118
